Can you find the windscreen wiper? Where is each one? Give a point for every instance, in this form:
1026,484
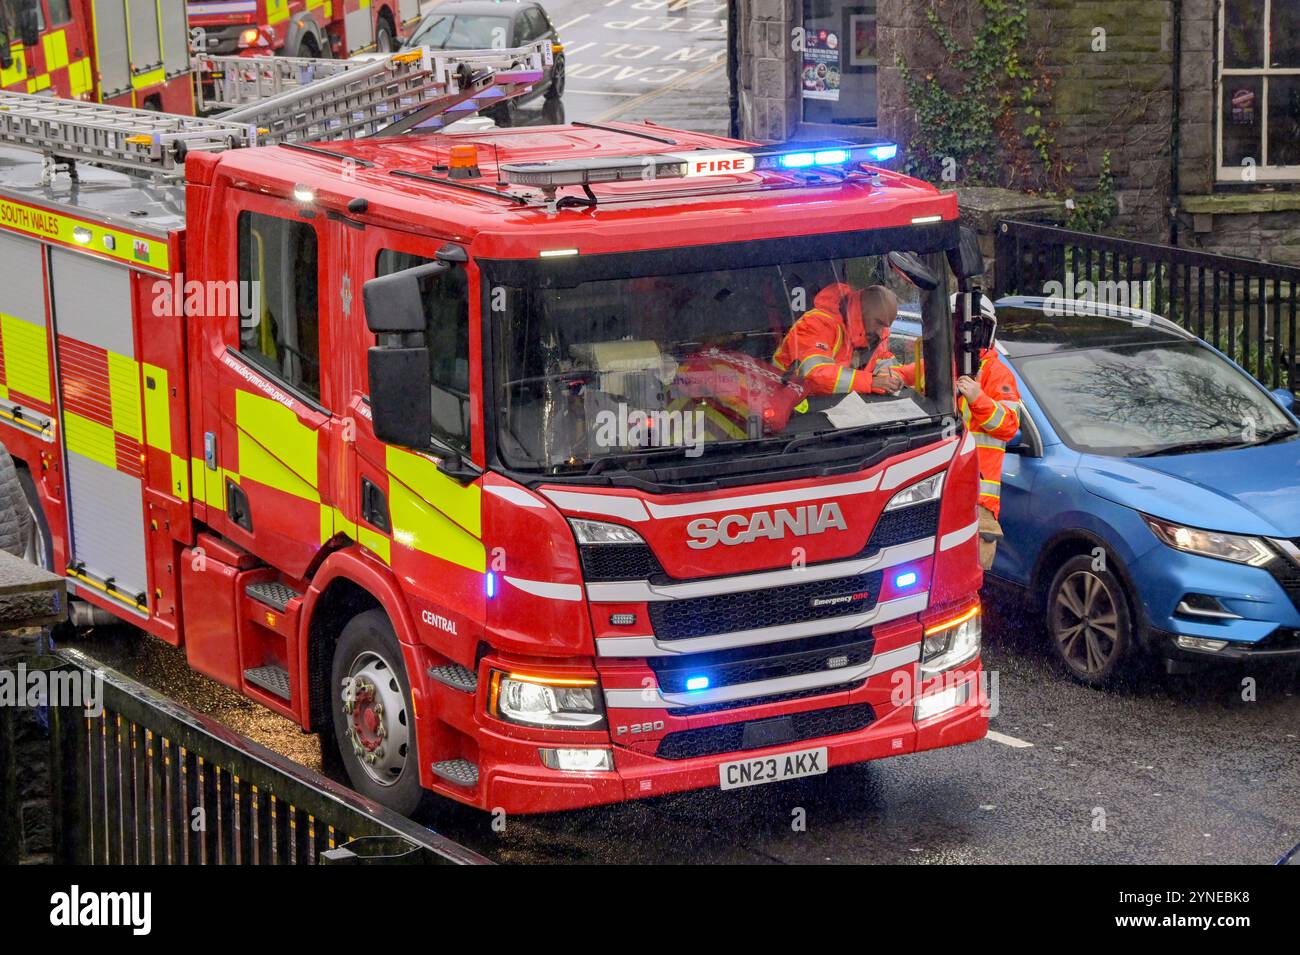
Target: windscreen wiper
879,426
1188,447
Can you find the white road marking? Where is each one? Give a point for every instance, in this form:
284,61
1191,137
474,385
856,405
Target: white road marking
579,19
1009,740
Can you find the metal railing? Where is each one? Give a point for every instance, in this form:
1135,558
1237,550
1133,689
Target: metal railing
1244,307
147,781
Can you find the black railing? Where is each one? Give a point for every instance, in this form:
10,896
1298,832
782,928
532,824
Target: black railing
1244,307
147,781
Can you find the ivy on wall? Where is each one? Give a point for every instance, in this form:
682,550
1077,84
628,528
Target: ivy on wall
982,113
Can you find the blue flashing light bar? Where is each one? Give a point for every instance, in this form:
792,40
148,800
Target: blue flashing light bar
905,580
697,683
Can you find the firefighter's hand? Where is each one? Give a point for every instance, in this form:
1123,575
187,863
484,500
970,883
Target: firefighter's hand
889,382
969,388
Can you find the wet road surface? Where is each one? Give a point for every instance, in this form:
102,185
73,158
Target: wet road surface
1166,770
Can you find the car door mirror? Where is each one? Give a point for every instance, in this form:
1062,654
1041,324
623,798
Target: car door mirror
1285,398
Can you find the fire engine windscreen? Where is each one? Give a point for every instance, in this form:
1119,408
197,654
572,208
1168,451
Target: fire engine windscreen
715,364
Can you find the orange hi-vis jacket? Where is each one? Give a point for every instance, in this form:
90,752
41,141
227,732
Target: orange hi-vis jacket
820,345
994,419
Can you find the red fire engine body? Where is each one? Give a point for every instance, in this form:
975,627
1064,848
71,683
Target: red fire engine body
509,627
307,28
132,53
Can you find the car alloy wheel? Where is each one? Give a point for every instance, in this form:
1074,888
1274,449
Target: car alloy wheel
1085,623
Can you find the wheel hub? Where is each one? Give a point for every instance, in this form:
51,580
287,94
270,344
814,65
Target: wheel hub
377,725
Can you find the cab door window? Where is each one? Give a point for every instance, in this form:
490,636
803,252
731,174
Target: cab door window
279,328
446,313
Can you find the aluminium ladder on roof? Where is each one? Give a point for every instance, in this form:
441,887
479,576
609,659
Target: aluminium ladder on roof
311,100
134,139
358,98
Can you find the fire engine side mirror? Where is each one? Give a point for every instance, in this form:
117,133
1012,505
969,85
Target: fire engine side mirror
910,267
6,54
967,261
401,396
401,385
29,23
394,304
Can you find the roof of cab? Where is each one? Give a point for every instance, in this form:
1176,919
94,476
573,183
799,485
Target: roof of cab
512,221
1035,325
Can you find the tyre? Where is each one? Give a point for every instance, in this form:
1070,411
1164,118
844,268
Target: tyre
373,718
503,114
556,89
1090,621
385,36
14,516
308,48
38,544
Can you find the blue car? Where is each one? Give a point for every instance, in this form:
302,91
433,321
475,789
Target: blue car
1151,501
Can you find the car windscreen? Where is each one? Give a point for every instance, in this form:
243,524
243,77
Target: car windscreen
695,363
1151,398
462,32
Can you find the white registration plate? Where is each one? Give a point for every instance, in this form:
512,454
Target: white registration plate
772,769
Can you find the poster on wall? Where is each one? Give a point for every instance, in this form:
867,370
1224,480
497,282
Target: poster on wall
821,65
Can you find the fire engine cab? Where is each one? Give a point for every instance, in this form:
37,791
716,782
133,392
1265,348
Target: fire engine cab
301,28
468,452
132,53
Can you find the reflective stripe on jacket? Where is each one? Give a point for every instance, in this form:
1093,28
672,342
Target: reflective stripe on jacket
820,349
994,419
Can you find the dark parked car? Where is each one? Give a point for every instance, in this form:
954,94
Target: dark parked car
484,25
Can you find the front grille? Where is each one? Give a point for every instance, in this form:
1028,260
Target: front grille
752,664
773,607
704,708
601,562
780,730
1287,573
904,525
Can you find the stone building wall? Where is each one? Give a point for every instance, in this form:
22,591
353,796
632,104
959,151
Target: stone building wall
1119,99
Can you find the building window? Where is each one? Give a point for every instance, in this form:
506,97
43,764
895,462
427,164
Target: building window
837,74
1259,90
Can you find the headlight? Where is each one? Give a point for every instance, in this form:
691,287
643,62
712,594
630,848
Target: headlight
918,493
551,701
1192,540
578,760
598,532
951,643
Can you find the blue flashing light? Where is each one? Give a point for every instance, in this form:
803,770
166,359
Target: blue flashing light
697,683
883,153
905,580
797,160
831,157
491,584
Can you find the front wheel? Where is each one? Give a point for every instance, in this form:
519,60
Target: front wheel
374,723
1090,621
556,89
384,42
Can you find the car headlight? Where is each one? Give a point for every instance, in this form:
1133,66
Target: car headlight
918,493
950,643
555,702
598,532
1237,548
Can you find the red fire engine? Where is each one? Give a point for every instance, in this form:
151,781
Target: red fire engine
301,28
468,453
123,52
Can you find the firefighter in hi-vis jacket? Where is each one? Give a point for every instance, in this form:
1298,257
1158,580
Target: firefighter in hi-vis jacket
841,344
990,405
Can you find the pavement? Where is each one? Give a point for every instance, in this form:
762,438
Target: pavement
1179,770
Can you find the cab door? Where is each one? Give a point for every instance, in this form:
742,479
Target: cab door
267,450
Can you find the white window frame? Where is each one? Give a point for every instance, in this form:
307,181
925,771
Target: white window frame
1263,171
